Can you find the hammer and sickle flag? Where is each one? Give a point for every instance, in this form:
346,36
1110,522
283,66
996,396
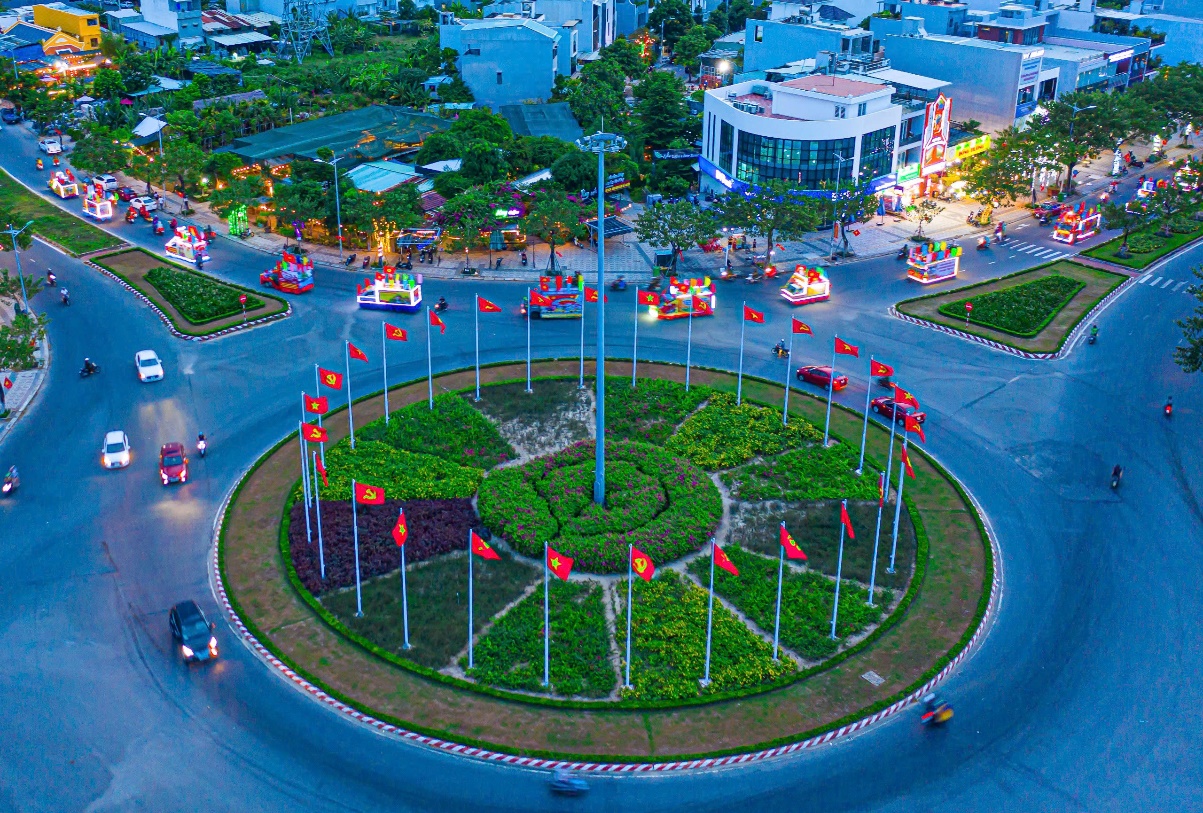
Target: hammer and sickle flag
792,550
395,333
369,495
330,379
642,564
314,434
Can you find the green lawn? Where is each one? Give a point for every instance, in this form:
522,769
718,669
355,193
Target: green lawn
1022,310
1109,251
71,232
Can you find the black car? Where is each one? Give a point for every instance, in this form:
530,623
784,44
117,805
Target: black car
192,632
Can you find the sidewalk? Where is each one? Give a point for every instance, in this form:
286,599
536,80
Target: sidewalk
25,386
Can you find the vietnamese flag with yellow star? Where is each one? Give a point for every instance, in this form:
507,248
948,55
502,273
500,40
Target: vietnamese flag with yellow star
558,563
355,353
792,549
314,434
401,530
722,561
482,548
369,495
642,564
318,405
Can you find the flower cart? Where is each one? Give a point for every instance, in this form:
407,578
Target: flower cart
188,244
934,262
293,274
807,285
391,291
63,184
97,203
1077,224
679,300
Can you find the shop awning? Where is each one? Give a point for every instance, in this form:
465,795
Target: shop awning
615,227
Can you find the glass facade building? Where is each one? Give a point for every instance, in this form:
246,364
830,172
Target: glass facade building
811,164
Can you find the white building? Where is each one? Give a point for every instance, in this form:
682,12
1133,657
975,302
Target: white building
181,16
809,132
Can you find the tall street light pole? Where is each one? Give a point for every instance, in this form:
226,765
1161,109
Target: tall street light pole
338,214
601,143
834,203
17,254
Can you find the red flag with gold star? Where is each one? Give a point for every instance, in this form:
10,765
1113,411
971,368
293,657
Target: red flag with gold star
558,563
369,495
792,549
355,353
401,530
906,462
846,520
317,405
482,548
642,564
901,396
648,298
435,321
321,469
722,561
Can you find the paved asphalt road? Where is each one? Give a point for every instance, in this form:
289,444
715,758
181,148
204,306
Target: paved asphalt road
1082,697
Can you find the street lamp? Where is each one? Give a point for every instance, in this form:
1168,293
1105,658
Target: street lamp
338,215
601,143
840,159
1075,110
17,254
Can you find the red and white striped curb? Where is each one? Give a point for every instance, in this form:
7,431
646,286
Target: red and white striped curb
596,767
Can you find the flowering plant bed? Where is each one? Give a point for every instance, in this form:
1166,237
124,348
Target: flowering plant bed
452,431
407,475
722,434
198,297
809,473
651,411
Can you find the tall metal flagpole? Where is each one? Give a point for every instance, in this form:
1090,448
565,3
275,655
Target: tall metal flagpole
405,601
476,326
470,628
864,431
688,344
317,383
305,482
580,384
635,343
780,576
599,454
384,356
839,570
630,586
788,369
355,524
709,616
350,412
898,506
830,391
743,326
317,498
429,363
546,624
881,484
530,304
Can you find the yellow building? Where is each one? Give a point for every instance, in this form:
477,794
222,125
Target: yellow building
81,26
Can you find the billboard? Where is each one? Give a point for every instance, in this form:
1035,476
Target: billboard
1029,71
936,126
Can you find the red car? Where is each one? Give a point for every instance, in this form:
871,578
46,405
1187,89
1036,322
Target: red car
126,194
888,408
173,464
1048,211
821,377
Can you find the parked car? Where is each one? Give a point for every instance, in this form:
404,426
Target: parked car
149,366
192,632
145,202
126,194
50,146
109,182
9,115
173,464
115,454
887,407
821,377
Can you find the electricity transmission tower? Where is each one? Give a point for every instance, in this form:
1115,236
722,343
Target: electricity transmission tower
303,22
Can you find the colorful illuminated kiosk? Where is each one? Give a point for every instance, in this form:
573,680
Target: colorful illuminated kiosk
391,291
1188,178
566,300
293,274
98,203
934,262
188,244
678,301
1077,224
807,285
63,184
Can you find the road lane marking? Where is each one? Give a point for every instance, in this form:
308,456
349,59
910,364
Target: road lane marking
1030,249
1178,287
1145,278
1168,283
1159,279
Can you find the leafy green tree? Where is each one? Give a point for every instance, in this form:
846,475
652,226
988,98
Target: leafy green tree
18,340
456,91
483,125
853,205
107,84
185,161
10,286
223,164
1069,137
696,41
470,218
674,16
554,218
184,123
575,171
675,226
136,72
102,150
1004,173
450,184
525,154
301,200
1117,216
627,56
662,110
442,146
1189,356
772,211
482,162
238,192
46,108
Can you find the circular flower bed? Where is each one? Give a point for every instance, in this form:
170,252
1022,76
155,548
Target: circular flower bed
665,506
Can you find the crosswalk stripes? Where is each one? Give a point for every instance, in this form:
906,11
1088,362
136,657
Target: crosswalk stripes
1179,287
1168,283
1161,282
1143,279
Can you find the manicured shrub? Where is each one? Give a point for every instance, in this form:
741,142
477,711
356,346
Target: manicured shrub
402,474
1144,243
452,431
723,435
198,297
809,473
651,412
1022,310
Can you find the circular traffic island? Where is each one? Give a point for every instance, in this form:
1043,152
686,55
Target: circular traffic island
453,645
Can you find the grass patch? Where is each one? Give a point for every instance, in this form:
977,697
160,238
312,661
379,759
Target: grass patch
403,475
1021,310
198,297
1159,246
510,654
723,434
806,601
668,644
510,402
51,222
650,412
452,431
809,473
438,605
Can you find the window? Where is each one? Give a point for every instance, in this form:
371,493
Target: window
810,164
758,34
841,112
876,153
726,141
499,77
862,108
1026,94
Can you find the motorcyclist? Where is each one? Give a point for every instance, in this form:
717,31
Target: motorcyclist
12,475
50,277
90,366
1094,332
66,296
1117,472
441,305
201,443
779,348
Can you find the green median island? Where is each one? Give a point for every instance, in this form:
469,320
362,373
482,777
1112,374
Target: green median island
1148,244
196,303
1034,310
515,471
73,233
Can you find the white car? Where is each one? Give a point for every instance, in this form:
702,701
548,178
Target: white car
145,202
150,367
109,182
115,452
50,146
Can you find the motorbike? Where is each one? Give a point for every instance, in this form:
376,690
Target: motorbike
10,484
983,242
902,252
1116,475
158,227
524,260
210,234
781,352
366,262
1169,407
753,277
66,297
40,164
935,711
441,305
51,279
564,783
201,445
972,218
619,284
349,261
87,371
770,272
1094,335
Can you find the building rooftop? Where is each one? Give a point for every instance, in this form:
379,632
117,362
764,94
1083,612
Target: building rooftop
907,79
241,38
123,14
258,19
1097,46
837,86
1069,53
553,119
973,42
28,32
371,132
150,29
78,12
379,177
494,23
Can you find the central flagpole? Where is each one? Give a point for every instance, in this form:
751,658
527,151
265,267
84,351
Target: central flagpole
780,576
709,617
355,524
881,501
470,630
743,326
906,438
546,624
429,363
830,391
864,431
630,586
384,355
317,498
688,345
350,412
788,369
635,344
476,324
580,385
530,304
839,570
317,383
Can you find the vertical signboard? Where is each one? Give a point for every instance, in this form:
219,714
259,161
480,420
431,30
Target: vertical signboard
935,136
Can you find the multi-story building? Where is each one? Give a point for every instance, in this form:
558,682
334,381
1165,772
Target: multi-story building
811,132
938,17
81,25
1176,26
508,59
594,20
629,16
181,16
773,43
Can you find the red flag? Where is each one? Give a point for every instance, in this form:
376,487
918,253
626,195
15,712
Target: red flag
642,564
753,316
722,561
648,298
901,396
318,405
401,530
802,327
321,469
537,298
330,378
881,488
482,548
876,368
369,495
843,348
591,295
435,321
8,383
314,433
913,425
845,520
544,283
701,307
560,564
355,353
395,333
906,462
358,289
485,306
792,551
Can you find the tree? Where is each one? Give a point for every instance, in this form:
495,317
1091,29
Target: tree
772,211
673,17
107,84
184,123
102,150
575,171
46,108
925,212
555,218
1168,202
470,217
1190,355
1071,137
482,162
694,43
525,154
136,72
675,226
627,56
301,200
223,164
483,125
238,192
19,339
1117,216
441,146
596,105
456,91
662,110
184,160
853,204
1004,173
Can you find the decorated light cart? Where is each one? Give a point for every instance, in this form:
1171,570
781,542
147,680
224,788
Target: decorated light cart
187,244
391,291
807,285
565,296
293,274
1077,224
98,204
63,184
1188,178
679,300
934,262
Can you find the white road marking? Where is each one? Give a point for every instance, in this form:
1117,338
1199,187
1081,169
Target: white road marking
1030,249
1167,284
1159,279
1178,287
1144,278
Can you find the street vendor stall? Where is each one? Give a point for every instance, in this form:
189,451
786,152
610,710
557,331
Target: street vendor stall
63,184
685,296
293,274
1077,224
934,262
188,244
391,290
98,203
807,285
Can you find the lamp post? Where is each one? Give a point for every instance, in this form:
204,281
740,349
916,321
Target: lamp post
601,143
10,231
1074,111
338,215
840,159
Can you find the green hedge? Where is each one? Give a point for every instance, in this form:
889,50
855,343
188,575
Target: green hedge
722,434
651,411
198,297
403,475
1021,310
453,431
810,473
